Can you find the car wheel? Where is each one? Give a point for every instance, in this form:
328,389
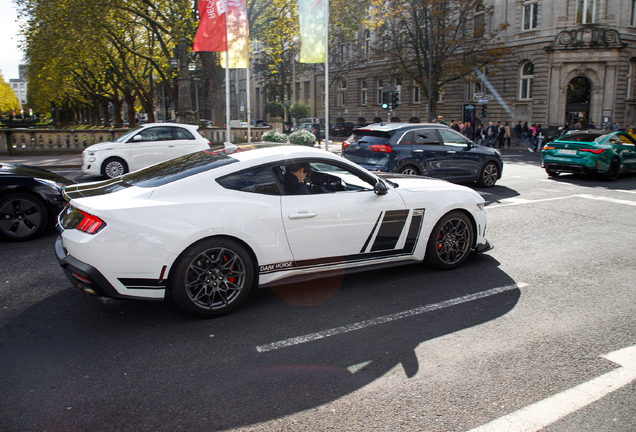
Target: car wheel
489,175
450,242
114,167
22,217
551,172
410,170
614,170
212,278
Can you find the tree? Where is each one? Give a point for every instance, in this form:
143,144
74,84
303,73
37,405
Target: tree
274,109
452,32
8,100
299,110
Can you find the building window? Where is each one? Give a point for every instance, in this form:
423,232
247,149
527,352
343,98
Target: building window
380,89
530,16
585,11
342,93
479,23
367,43
525,82
363,92
475,91
416,95
630,80
632,20
322,95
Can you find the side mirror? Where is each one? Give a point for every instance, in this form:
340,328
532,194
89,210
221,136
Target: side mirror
560,127
380,188
137,138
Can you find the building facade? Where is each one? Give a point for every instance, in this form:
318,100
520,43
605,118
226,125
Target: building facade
569,61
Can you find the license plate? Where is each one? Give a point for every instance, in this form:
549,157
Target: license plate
568,152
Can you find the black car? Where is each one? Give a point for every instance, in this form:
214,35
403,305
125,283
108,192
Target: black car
342,129
431,150
30,200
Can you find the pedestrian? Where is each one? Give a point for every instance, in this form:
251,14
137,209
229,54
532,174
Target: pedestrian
440,120
468,131
577,125
507,133
455,126
462,125
616,126
501,132
491,134
519,132
316,131
591,125
539,137
526,138
532,132
479,134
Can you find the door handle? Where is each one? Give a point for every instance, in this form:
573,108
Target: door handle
451,152
302,215
418,151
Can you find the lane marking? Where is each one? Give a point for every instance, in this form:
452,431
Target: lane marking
385,319
518,201
543,413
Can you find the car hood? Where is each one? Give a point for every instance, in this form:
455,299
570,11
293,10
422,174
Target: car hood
420,183
103,146
17,170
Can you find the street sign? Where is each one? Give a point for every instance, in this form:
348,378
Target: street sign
489,97
482,101
479,95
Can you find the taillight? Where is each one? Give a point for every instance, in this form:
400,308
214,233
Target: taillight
380,148
210,144
549,148
594,151
90,224
345,145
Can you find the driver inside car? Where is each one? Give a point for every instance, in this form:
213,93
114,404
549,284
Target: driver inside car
294,178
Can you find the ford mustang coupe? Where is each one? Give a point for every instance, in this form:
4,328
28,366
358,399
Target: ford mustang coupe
208,227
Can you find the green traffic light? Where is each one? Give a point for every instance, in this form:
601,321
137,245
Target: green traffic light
385,105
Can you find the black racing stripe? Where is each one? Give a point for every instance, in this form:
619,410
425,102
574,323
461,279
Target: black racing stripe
143,283
366,243
390,230
414,230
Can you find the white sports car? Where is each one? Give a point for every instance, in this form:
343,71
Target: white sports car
209,226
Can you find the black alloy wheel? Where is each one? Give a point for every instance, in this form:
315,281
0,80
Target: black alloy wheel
551,172
212,278
489,175
450,242
22,217
614,170
114,167
410,170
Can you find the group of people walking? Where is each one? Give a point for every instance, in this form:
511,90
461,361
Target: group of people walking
500,134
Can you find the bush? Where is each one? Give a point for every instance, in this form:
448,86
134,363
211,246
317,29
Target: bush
273,136
274,109
299,110
302,137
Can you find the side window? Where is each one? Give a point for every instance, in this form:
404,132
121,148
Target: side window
155,134
258,180
183,134
321,176
425,136
626,139
451,137
407,138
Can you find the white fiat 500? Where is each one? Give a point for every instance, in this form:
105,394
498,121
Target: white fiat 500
208,227
141,147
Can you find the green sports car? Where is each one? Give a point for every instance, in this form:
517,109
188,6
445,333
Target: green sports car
590,151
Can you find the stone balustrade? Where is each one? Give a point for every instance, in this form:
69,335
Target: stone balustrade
17,141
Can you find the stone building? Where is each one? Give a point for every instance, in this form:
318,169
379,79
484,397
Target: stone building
571,60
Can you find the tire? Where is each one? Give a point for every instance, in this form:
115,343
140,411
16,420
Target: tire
410,170
489,175
114,167
212,278
451,241
614,170
551,172
22,217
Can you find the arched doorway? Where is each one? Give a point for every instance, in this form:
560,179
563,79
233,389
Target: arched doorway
578,101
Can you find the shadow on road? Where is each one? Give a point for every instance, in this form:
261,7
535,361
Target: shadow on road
71,362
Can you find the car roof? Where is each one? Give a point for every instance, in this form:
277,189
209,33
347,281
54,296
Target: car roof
183,125
267,151
387,127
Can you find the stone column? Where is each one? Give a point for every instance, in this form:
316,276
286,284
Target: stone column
557,99
609,91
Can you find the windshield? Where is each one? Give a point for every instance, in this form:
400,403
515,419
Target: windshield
177,169
371,137
127,135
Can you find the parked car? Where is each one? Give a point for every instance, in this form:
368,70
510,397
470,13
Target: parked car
227,220
590,151
141,147
343,129
431,150
30,200
259,123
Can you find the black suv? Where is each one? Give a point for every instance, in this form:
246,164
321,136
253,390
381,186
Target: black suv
431,150
343,129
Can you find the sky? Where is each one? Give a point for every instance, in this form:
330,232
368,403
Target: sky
10,54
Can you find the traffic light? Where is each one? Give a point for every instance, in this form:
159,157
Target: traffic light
395,100
484,110
385,99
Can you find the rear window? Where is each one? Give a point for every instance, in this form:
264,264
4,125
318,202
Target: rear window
177,169
371,137
581,137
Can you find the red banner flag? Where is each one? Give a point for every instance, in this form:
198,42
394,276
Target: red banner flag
211,35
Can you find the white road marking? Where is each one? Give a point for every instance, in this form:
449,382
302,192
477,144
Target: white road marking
518,201
387,318
541,414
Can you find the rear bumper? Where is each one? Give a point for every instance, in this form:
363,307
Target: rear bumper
569,168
